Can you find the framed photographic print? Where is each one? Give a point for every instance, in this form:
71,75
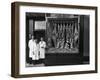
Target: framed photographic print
53,39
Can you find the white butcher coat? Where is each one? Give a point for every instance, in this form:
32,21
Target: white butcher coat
42,46
36,52
31,47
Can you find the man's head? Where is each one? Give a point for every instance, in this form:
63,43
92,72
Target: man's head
36,40
41,38
32,37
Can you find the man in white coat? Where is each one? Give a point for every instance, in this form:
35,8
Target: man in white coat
36,51
42,46
31,48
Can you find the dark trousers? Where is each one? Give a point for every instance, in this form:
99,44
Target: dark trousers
41,60
38,61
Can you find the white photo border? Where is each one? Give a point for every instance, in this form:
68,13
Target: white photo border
54,69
